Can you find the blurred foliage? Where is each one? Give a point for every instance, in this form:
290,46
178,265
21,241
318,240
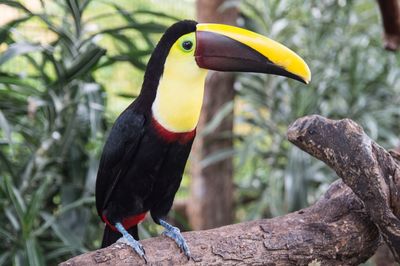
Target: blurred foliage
52,108
352,77
52,121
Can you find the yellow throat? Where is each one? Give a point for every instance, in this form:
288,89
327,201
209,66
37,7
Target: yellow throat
180,91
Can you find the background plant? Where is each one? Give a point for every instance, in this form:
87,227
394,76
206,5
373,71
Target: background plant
53,121
54,89
352,77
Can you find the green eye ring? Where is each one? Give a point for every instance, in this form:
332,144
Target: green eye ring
187,45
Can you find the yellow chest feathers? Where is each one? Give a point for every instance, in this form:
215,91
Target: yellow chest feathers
180,92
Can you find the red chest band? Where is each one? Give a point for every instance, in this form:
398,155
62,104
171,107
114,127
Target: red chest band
126,222
170,136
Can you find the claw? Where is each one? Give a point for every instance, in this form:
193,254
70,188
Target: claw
130,241
174,233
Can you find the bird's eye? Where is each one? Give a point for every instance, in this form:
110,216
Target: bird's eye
187,45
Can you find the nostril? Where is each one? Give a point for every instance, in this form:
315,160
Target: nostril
300,138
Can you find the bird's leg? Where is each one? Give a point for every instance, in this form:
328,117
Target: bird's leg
174,233
129,240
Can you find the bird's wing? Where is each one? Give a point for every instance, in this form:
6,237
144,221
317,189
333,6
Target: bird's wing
171,177
120,147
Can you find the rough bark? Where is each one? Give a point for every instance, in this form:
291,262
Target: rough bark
344,227
390,13
215,181
370,171
334,231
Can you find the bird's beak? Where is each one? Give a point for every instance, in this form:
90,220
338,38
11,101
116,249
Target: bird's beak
227,48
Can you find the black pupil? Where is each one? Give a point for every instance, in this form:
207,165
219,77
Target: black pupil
187,45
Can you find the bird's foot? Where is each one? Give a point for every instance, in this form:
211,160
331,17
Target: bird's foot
174,233
130,241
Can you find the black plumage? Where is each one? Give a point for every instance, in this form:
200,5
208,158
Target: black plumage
142,164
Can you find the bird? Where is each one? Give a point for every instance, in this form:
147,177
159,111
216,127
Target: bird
144,156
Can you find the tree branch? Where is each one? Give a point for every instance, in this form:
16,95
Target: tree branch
334,231
369,170
339,229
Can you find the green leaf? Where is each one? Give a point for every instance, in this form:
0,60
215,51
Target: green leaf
34,256
16,199
5,29
75,10
5,257
7,162
5,126
223,112
217,156
157,14
127,95
35,204
83,5
6,235
149,27
50,220
16,49
130,19
12,219
84,63
17,81
65,236
132,59
59,252
16,4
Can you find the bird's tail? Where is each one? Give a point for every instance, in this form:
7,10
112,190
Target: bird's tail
110,236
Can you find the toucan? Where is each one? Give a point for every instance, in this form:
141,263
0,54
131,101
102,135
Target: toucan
146,151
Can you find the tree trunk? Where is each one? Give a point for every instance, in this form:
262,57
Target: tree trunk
211,196
344,227
390,13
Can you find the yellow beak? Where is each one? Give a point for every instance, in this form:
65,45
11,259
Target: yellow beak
228,48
